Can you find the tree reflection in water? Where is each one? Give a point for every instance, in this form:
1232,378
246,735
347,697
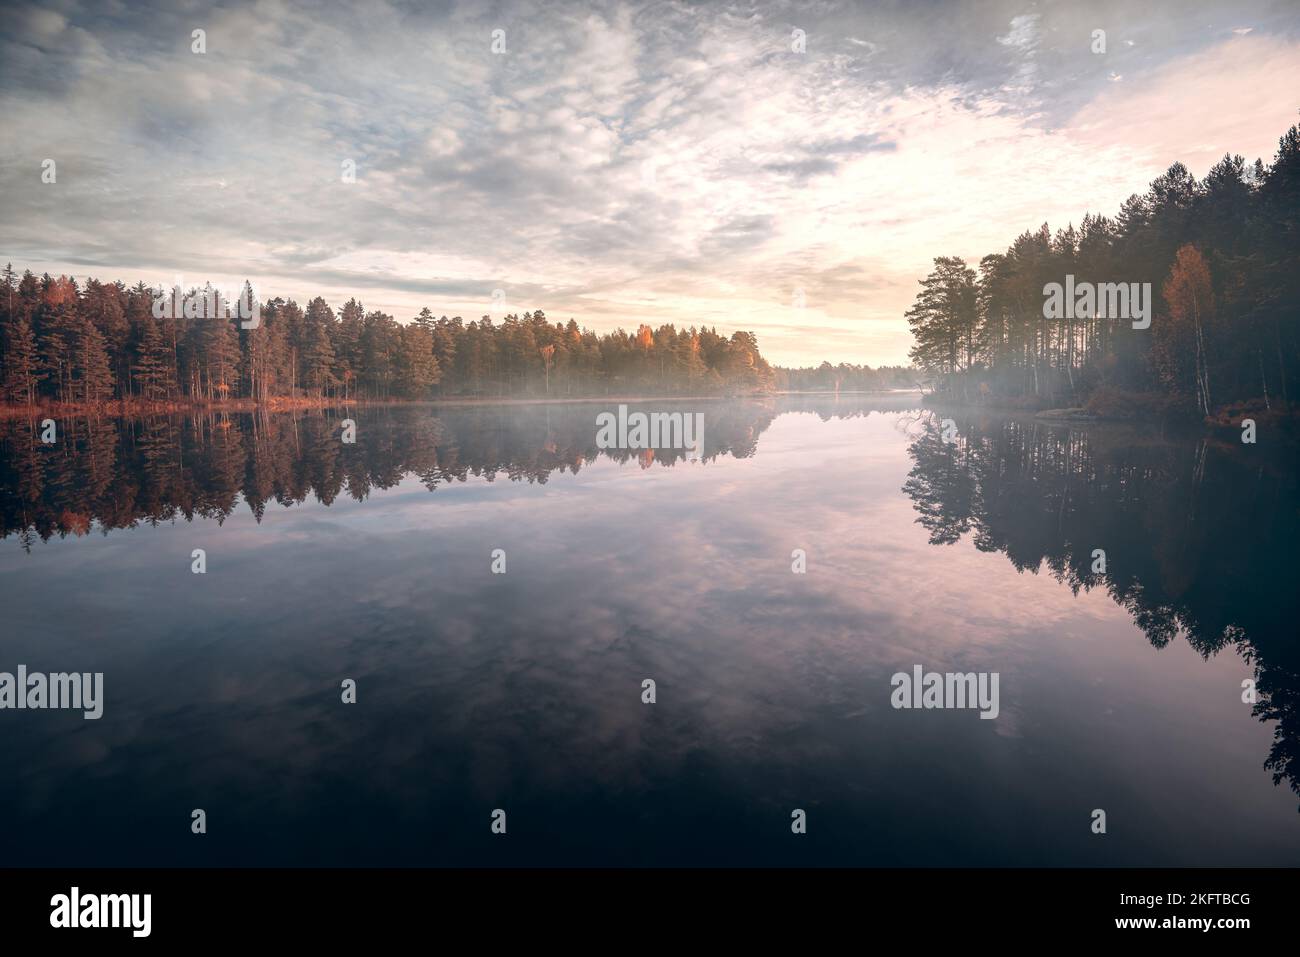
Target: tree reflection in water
1200,535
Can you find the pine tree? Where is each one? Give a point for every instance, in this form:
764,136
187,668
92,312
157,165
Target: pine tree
155,371
318,359
91,368
944,318
417,367
21,369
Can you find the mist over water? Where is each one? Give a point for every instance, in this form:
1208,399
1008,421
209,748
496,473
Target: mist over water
325,561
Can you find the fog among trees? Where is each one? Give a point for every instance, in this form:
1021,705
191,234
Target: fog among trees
1222,255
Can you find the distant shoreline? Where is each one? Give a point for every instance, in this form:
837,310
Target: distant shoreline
828,392
119,408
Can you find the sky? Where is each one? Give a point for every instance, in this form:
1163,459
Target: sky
787,168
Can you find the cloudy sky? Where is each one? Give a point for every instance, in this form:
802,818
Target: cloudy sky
617,163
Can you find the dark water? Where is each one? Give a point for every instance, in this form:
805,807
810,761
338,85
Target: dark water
522,691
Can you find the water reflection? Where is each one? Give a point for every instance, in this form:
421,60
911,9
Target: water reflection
523,690
1200,537
116,473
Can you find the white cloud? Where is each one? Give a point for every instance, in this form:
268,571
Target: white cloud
1023,33
661,163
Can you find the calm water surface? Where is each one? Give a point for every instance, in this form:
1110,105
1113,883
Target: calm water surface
522,691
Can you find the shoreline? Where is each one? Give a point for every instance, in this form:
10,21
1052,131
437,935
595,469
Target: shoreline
127,408
1143,410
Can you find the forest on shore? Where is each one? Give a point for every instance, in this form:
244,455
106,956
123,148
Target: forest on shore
1222,257
87,345
846,377
101,344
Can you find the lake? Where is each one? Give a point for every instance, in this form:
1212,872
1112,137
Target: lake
1121,689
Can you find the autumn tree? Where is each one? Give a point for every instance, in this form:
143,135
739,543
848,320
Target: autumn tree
547,352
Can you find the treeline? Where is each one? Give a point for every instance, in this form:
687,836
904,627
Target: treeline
845,377
61,341
1222,256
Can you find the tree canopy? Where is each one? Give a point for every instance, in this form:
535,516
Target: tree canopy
87,344
1221,255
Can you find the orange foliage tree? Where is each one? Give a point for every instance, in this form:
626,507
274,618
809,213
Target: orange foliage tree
1179,350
